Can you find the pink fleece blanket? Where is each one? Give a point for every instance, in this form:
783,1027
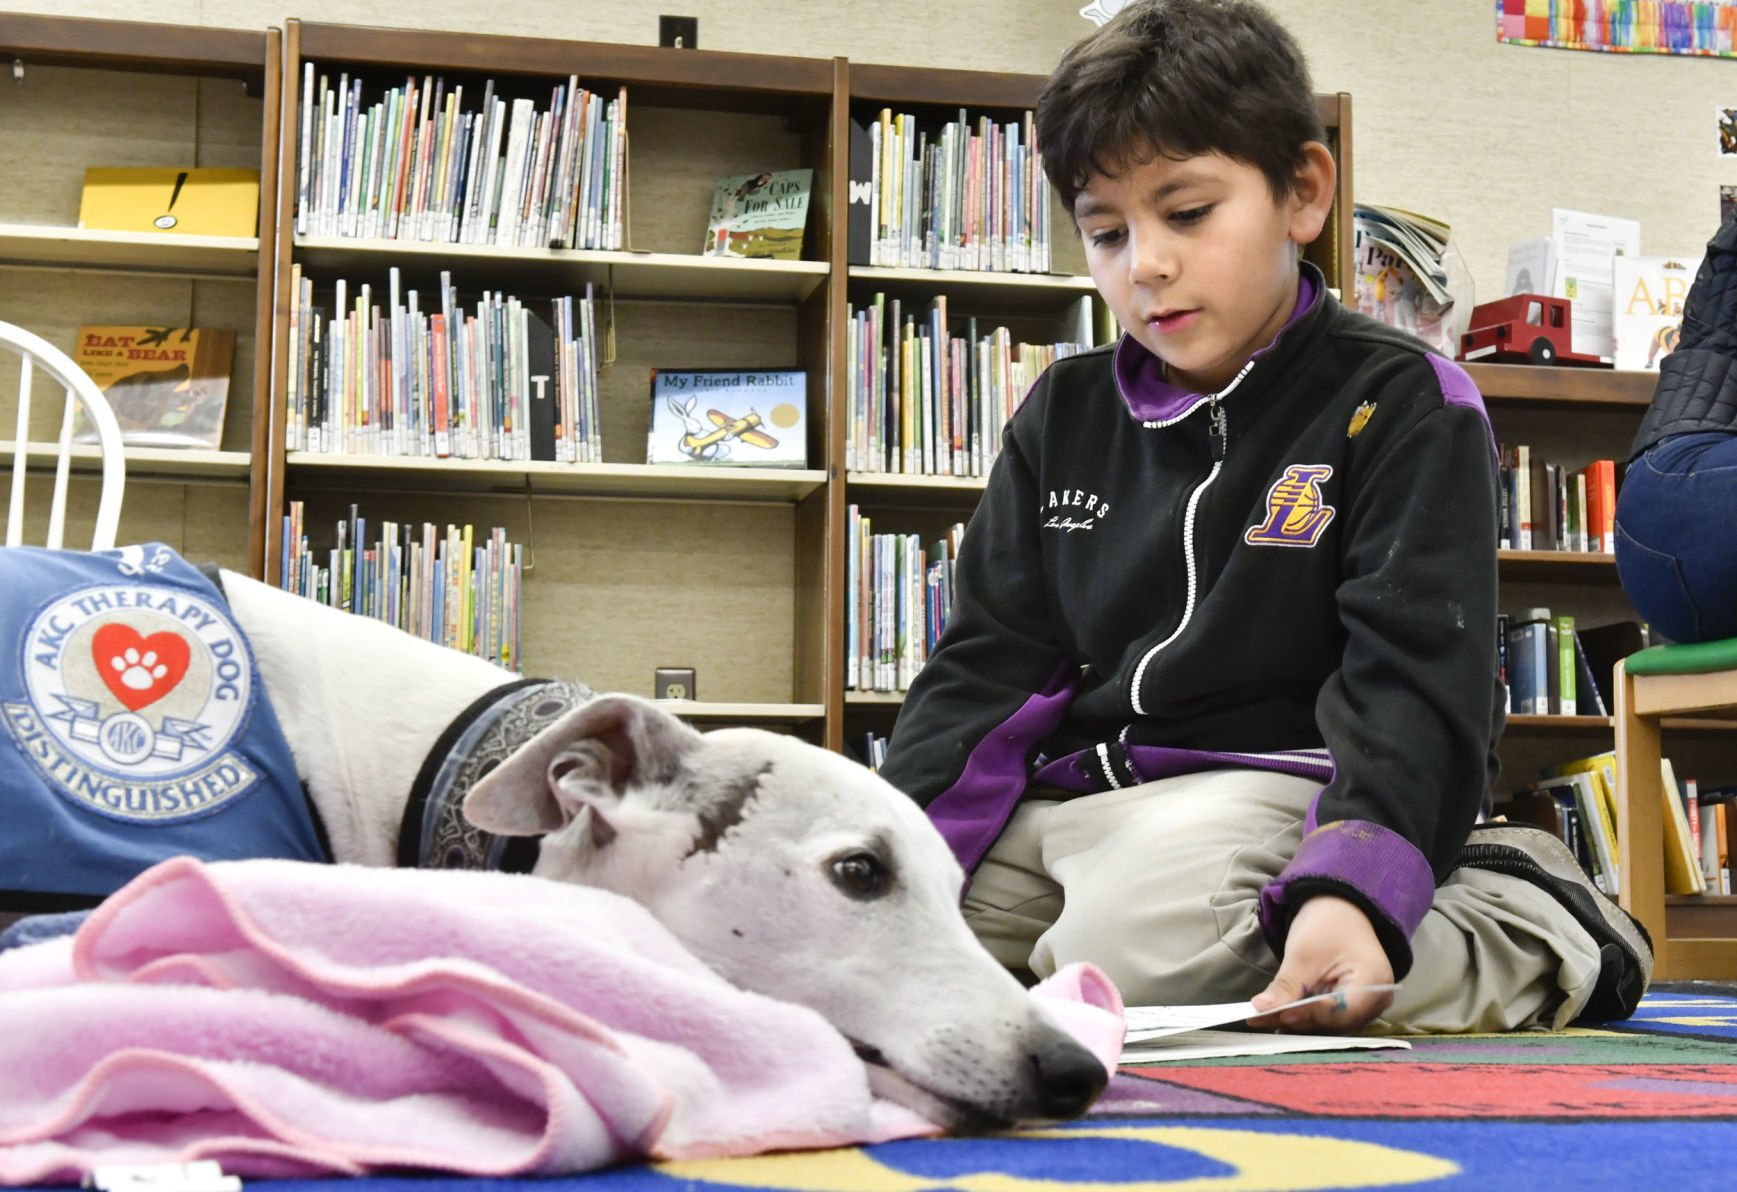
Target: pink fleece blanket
302,1020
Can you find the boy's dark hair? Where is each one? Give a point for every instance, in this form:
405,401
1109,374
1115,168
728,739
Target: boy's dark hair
1178,78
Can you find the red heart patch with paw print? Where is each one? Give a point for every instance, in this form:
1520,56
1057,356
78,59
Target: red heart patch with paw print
139,670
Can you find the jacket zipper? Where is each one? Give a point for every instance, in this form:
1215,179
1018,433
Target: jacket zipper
1218,436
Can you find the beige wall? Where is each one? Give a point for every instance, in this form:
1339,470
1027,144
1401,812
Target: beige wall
1486,136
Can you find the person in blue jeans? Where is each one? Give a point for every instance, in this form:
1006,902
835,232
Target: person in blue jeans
1676,516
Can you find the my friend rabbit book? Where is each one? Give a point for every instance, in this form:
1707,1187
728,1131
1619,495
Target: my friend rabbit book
742,418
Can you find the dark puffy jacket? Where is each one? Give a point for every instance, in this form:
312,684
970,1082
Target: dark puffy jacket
1697,388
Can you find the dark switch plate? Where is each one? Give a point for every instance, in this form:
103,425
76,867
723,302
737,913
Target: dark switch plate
683,32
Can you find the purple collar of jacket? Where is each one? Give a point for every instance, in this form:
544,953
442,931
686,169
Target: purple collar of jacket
1140,375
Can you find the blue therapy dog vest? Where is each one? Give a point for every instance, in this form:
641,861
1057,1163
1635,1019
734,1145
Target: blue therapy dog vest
137,728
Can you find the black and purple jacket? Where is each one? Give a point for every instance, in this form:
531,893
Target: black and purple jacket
1297,573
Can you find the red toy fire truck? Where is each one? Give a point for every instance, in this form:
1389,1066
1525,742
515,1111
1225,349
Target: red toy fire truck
1523,329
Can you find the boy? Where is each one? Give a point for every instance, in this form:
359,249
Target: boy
1217,705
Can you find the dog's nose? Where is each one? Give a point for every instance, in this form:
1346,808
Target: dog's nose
1069,1078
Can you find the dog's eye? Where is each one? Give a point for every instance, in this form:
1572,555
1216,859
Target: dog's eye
861,875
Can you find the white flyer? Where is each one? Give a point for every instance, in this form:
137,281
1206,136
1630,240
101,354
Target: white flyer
1586,247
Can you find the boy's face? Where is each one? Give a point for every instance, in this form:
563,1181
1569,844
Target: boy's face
1198,260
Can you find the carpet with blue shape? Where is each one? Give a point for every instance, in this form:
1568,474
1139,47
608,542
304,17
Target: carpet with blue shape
1650,1103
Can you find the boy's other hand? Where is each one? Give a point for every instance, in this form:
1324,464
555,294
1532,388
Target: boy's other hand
1330,946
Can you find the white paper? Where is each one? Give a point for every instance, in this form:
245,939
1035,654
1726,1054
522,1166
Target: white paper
1155,1022
1586,246
1212,1045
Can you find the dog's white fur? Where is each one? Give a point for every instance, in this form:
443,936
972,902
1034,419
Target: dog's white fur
788,869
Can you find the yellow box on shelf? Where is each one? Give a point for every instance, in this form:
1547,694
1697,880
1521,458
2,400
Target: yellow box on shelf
195,202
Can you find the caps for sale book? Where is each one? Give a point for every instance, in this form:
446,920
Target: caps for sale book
190,202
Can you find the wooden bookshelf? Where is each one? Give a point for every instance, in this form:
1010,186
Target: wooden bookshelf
178,85
1557,566
97,250
1563,387
893,491
635,566
1004,294
701,712
143,463
633,274
674,482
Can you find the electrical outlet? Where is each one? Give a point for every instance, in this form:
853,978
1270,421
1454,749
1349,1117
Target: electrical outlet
683,33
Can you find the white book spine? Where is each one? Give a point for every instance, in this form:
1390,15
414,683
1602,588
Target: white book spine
304,149
485,232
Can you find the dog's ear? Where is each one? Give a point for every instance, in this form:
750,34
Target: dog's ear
589,758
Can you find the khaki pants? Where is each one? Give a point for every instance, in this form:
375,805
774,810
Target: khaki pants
1159,885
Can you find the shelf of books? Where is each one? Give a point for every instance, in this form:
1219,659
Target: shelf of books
1563,387
701,712
142,250
963,284
505,313
1011,294
143,463
630,274
545,477
100,250
1563,433
1576,566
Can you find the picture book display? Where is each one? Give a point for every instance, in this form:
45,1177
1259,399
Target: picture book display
168,386
187,202
754,418
759,215
1647,313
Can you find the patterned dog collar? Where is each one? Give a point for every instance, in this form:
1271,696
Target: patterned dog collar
434,833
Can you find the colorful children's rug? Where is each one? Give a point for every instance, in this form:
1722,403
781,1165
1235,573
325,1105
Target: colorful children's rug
1647,1104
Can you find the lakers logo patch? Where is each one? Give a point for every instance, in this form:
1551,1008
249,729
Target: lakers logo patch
132,699
1296,511
1359,419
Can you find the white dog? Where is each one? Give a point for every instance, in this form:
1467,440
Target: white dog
790,870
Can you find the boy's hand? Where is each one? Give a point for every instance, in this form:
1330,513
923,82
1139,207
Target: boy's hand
1330,945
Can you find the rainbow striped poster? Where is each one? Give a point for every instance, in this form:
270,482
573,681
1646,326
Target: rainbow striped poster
1704,27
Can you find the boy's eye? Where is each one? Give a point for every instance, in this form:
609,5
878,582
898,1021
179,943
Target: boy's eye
1107,238
1192,215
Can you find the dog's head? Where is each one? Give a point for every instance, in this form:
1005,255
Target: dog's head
795,873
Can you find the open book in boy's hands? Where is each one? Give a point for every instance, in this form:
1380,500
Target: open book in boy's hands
1183,1032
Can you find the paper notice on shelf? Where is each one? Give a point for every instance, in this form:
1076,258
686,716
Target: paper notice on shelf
1586,246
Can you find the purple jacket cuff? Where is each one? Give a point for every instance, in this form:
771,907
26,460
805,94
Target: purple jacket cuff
1378,868
971,813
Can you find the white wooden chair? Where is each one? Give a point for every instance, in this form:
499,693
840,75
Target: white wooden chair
40,355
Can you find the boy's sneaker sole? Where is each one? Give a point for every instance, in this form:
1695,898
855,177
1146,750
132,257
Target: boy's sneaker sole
1538,856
